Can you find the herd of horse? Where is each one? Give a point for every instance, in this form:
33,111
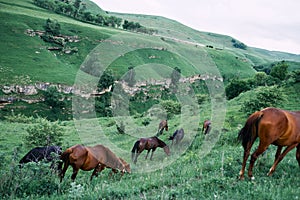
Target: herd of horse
98,157
271,125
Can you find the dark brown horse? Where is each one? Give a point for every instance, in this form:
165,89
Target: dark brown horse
177,136
94,158
272,126
206,126
41,153
148,144
163,125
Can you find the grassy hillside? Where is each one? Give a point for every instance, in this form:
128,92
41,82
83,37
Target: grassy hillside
23,55
201,167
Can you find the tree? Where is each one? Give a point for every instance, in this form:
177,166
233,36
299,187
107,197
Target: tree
52,27
235,87
53,98
130,76
106,80
103,102
175,76
280,70
76,5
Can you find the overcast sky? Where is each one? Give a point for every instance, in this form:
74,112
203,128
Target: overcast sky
267,24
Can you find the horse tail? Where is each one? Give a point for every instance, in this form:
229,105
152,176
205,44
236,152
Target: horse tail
135,149
250,131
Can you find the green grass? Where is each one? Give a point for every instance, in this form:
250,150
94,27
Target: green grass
186,174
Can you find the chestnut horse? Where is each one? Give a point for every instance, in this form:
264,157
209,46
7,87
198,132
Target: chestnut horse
87,158
206,126
272,126
147,144
163,125
177,136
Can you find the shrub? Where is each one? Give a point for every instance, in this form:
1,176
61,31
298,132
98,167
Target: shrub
263,97
171,107
44,133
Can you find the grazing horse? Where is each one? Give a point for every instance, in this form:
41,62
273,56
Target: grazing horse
87,158
162,125
272,126
206,126
177,136
40,153
147,144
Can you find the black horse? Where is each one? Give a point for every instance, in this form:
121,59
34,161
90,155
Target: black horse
40,153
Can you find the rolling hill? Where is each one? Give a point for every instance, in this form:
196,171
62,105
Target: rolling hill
200,167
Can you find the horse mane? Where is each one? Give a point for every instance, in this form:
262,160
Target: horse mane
174,134
110,158
160,142
247,133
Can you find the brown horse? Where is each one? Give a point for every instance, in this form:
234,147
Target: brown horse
97,157
147,144
206,126
177,136
163,125
272,126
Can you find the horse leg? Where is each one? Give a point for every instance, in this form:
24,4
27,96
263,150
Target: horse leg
75,171
136,156
262,147
298,154
278,152
245,158
63,171
147,155
280,157
97,169
152,154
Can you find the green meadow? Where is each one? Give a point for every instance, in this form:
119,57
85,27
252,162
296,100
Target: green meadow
200,167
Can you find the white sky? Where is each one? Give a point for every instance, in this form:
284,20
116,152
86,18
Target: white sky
267,24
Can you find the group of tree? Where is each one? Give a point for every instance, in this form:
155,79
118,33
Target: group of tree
277,75
77,9
238,44
266,87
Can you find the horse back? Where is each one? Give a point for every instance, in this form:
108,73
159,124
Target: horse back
105,156
279,127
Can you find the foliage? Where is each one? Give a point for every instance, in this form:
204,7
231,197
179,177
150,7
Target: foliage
146,121
77,10
171,107
121,127
54,99
279,70
263,97
44,133
295,76
130,76
175,76
235,87
106,80
201,98
34,179
20,118
52,27
238,44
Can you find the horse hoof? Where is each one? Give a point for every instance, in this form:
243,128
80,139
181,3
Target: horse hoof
252,178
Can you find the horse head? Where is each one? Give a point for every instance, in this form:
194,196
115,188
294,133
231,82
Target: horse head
167,150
